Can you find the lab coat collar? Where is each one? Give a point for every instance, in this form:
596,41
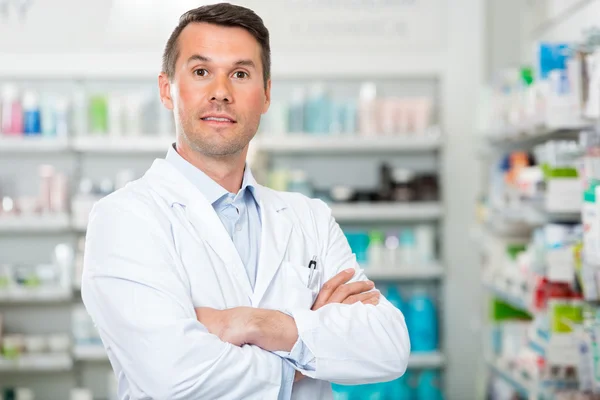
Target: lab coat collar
209,188
276,225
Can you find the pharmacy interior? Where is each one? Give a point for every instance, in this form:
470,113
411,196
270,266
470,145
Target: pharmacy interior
456,143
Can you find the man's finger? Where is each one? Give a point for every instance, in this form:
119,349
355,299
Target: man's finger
362,297
331,285
349,289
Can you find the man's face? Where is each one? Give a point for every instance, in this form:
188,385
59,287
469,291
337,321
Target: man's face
217,92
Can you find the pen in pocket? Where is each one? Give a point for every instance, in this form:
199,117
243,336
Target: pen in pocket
312,265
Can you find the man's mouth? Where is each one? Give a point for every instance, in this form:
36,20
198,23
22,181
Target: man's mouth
218,119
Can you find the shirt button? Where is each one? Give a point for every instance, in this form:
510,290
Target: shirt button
238,227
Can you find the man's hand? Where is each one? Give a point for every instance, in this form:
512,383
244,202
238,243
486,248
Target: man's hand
268,329
336,290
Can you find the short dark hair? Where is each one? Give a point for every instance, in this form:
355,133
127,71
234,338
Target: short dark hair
223,14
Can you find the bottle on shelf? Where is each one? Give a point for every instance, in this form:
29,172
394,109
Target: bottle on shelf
32,116
12,111
368,109
422,322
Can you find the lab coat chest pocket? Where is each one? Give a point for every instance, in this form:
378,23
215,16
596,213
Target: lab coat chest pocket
301,285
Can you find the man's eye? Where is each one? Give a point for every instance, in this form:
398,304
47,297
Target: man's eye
200,72
241,74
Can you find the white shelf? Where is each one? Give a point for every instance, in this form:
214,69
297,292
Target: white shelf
417,360
41,295
32,144
517,301
90,353
307,143
403,273
386,212
41,223
426,360
286,65
125,144
38,363
530,135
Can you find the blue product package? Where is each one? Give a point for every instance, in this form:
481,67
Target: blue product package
552,56
422,323
32,124
341,392
362,247
407,387
429,387
394,297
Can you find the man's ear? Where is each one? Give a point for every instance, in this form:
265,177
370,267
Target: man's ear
164,85
267,97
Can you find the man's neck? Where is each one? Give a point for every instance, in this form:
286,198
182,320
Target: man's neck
226,171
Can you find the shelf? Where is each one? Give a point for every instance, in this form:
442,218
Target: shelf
386,212
59,362
344,144
525,388
287,65
90,353
516,301
42,223
529,136
417,360
564,15
126,144
35,296
32,144
404,273
529,389
430,360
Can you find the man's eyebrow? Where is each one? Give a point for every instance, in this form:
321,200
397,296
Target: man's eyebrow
245,63
198,57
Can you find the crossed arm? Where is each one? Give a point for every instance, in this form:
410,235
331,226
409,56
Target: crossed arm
273,330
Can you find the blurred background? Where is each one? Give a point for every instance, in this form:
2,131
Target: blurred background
457,142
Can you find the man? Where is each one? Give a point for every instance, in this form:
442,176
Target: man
204,284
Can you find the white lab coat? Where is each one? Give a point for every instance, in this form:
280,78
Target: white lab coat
156,249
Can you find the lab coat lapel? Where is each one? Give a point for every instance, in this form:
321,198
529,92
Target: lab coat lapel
203,218
201,215
276,230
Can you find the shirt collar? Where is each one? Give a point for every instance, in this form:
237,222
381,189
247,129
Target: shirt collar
209,188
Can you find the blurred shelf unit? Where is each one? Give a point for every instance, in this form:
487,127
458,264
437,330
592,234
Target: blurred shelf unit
349,144
531,135
126,144
144,144
433,360
272,143
539,218
32,144
430,360
36,295
89,353
36,224
526,386
387,212
357,212
514,296
405,272
59,362
142,65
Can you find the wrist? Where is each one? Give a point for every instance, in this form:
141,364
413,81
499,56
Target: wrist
272,330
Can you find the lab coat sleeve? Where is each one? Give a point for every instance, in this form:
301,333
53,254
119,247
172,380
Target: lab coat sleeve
143,310
352,344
